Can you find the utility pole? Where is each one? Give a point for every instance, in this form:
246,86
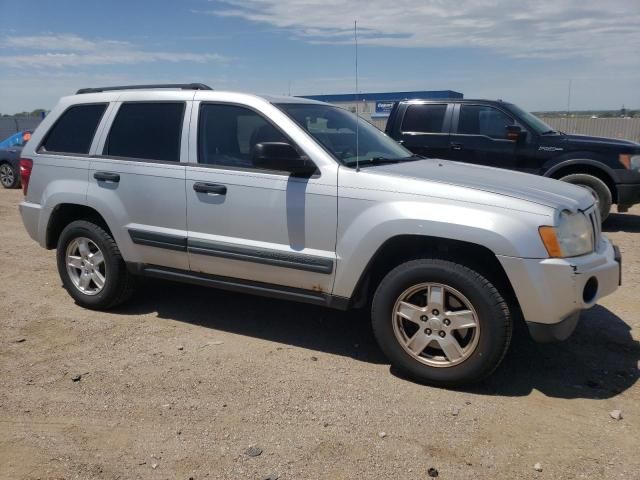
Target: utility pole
568,106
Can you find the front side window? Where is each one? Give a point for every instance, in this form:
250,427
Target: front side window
537,124
483,120
73,132
424,118
147,130
227,135
336,130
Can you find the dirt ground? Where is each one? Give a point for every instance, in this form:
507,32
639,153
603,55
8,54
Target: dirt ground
181,381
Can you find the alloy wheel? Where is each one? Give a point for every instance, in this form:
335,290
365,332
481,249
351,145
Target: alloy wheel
7,175
436,324
86,266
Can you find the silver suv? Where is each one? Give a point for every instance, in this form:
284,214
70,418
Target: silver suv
300,200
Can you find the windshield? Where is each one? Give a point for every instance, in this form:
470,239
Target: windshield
534,122
335,129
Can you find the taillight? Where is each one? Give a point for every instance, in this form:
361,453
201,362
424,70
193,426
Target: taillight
26,166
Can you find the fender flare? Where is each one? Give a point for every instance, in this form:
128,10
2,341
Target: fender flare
581,161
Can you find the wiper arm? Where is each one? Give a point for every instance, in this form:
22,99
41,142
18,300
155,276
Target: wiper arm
385,160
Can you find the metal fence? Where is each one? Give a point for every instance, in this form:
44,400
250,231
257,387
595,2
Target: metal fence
626,128
11,125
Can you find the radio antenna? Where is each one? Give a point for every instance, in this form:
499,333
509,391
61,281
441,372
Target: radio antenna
355,35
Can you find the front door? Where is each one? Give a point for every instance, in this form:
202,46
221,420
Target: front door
249,222
480,137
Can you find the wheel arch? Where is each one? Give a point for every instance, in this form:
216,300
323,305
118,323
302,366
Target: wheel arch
402,248
587,166
65,213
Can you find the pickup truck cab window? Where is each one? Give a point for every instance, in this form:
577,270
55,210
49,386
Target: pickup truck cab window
483,120
424,118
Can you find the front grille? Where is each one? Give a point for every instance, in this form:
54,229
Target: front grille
596,225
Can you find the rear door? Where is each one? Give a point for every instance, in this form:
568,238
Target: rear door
137,178
424,129
252,223
479,136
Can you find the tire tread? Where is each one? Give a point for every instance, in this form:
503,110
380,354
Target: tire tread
497,301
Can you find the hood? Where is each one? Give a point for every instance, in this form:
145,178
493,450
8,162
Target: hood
523,186
587,140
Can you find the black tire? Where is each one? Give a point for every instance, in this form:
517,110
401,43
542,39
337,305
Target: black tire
493,317
119,283
9,177
597,186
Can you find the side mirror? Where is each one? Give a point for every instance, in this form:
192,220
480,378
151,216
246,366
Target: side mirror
514,133
281,156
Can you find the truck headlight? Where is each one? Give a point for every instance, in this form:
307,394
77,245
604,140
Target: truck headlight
572,236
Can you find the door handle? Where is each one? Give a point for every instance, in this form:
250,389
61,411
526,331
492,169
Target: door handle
456,146
203,187
107,177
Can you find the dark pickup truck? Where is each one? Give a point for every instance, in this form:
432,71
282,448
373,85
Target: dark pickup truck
500,134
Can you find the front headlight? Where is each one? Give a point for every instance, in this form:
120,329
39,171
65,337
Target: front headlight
572,236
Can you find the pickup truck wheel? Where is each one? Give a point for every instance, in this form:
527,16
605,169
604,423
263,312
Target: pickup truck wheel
440,322
9,178
597,187
91,267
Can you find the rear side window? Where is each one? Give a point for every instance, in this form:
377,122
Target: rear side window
424,118
147,130
73,132
483,120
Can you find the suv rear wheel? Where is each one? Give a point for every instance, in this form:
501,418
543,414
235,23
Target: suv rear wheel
91,267
597,187
440,322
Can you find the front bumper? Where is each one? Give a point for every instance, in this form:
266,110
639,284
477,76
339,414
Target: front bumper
628,194
552,292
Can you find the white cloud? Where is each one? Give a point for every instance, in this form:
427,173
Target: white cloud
57,51
542,29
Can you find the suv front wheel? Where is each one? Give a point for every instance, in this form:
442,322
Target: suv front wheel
91,267
440,322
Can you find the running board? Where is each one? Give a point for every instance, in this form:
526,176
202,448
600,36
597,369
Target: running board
241,286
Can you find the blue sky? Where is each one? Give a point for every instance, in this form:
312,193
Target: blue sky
521,52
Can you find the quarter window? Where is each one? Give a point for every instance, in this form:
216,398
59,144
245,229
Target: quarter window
227,135
483,120
73,132
424,118
147,130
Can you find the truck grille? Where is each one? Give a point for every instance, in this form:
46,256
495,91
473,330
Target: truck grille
596,225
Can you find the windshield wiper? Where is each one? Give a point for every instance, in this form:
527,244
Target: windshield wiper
548,132
386,160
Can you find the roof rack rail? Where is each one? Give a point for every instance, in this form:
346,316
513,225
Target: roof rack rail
183,86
